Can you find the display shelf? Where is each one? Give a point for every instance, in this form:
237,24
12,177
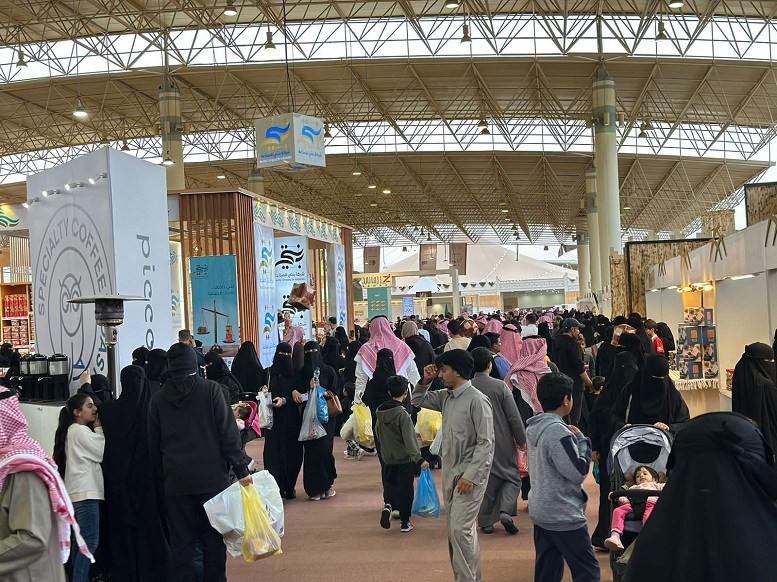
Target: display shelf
25,317
18,327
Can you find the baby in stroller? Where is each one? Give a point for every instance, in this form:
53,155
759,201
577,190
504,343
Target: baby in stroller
246,419
644,478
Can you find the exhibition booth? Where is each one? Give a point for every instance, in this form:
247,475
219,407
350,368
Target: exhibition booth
717,298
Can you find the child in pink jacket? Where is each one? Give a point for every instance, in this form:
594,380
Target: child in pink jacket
644,478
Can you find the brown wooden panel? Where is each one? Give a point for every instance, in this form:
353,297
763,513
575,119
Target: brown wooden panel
246,267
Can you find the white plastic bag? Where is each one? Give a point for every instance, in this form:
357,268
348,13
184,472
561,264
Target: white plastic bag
436,445
225,510
264,412
348,432
312,428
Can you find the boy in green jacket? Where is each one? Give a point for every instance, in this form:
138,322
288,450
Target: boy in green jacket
399,452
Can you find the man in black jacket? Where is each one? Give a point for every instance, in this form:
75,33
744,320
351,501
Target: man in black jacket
193,439
568,356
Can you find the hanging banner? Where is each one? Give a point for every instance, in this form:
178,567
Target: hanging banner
427,257
265,293
291,268
407,306
336,277
290,142
458,257
379,302
270,214
176,288
371,260
84,241
214,301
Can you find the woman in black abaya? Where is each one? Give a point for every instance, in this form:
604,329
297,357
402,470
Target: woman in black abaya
247,368
717,517
666,336
137,533
332,356
342,337
651,398
216,369
282,454
754,393
629,358
319,471
156,369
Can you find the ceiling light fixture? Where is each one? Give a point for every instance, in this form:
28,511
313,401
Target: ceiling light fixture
626,206
642,134
221,177
404,249
676,3
465,37
97,177
485,131
387,190
230,9
452,5
125,146
374,204
661,36
73,185
372,186
21,63
327,134
30,201
51,192
504,210
356,173
79,111
545,248
269,45
482,123
428,237
168,161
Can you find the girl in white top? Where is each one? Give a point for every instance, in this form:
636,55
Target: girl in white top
78,452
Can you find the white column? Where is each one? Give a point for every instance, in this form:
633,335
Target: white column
594,244
583,262
256,182
172,133
606,155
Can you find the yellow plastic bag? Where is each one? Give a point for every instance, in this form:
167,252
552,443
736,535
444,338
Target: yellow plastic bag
427,425
363,423
260,539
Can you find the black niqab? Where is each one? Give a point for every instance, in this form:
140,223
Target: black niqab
647,343
754,392
313,360
282,366
722,482
139,356
247,368
342,337
666,336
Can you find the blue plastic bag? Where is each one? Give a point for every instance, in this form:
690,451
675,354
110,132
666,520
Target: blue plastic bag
426,503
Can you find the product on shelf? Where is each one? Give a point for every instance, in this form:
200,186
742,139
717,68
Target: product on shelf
697,349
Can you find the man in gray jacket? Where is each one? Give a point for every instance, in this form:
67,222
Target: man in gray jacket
467,452
500,501
559,458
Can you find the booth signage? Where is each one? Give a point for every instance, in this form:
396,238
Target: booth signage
264,246
176,287
214,300
340,286
290,141
457,253
407,306
292,222
379,302
371,260
291,267
373,281
89,240
427,257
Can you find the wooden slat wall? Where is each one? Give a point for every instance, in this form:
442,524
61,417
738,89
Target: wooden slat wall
246,268
19,250
221,223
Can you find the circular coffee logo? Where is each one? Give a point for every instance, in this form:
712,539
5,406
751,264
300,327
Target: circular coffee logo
72,262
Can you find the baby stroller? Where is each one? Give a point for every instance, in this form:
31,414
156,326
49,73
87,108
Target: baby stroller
631,447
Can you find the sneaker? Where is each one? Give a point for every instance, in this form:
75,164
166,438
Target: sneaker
314,498
329,493
395,514
406,527
347,456
360,454
385,517
613,543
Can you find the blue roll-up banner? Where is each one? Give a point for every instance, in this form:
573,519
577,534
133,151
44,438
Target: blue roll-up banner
214,302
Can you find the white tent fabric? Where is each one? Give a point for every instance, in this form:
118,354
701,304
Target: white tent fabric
484,264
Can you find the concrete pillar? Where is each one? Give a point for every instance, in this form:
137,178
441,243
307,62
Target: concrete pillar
256,182
583,261
606,156
594,244
172,133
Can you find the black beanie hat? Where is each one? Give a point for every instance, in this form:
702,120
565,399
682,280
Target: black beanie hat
459,360
181,360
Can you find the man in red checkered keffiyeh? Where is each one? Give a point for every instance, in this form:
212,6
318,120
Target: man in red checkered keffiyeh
20,453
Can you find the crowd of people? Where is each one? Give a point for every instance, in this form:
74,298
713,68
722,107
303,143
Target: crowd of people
528,402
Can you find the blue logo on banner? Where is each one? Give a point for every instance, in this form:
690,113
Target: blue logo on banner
276,133
277,217
311,134
269,320
200,271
